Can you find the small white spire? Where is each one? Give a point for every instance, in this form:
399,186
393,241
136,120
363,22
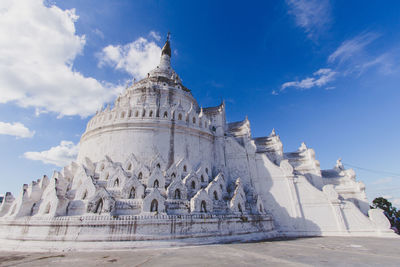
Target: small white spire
339,165
303,147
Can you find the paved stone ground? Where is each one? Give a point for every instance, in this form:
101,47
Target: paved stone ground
321,251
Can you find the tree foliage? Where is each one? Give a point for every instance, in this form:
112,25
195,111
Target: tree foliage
391,212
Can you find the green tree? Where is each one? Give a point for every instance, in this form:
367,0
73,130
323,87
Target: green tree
391,212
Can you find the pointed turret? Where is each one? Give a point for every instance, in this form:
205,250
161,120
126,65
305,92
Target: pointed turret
339,165
165,61
164,68
166,50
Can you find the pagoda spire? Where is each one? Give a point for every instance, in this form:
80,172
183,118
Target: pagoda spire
166,50
165,60
164,68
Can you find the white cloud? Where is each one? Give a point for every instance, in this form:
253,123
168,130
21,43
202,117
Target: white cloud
381,181
385,63
312,15
353,56
98,33
396,202
136,58
352,47
38,45
215,84
15,129
155,35
320,78
356,56
60,155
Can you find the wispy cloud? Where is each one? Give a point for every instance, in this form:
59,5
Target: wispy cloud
319,78
313,16
396,202
155,35
352,47
353,56
98,33
16,129
385,63
135,58
382,181
60,155
216,84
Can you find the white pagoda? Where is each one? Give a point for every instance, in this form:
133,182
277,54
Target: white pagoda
157,166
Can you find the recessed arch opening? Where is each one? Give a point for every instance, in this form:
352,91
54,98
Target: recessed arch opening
203,206
99,206
154,205
215,195
132,193
177,194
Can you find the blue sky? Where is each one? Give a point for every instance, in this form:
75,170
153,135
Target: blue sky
323,72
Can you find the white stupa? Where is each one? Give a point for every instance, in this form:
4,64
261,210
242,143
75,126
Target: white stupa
156,166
